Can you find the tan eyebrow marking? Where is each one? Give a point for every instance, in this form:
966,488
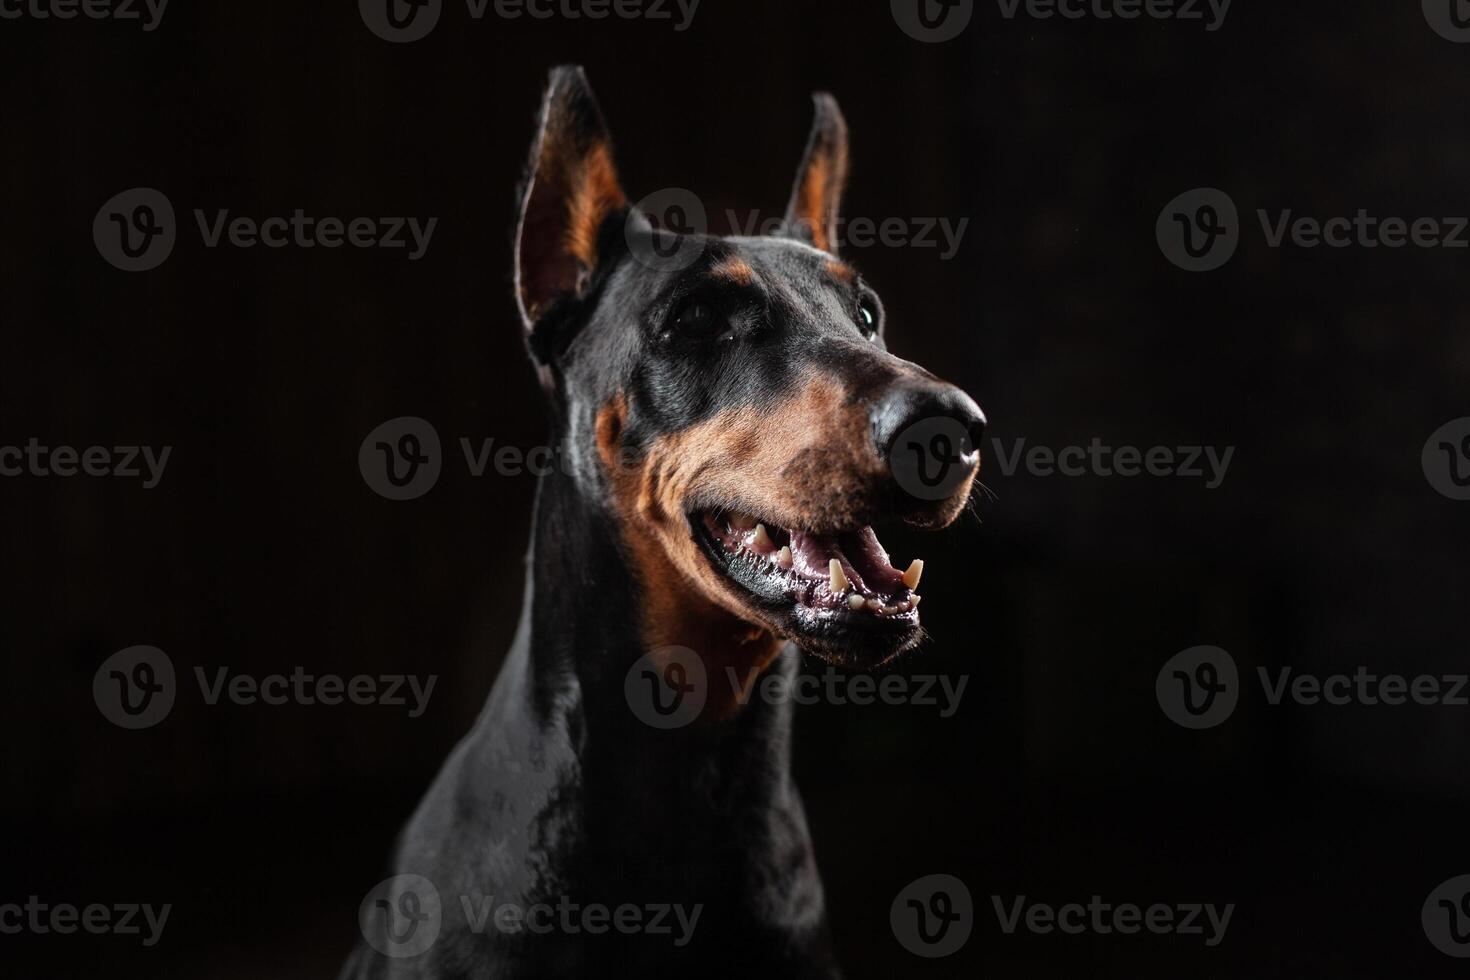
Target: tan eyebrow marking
840,270
734,270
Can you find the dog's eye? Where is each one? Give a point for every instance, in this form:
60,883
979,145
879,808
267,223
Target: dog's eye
698,318
868,315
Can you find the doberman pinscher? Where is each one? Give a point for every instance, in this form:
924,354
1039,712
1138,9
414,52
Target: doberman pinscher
727,421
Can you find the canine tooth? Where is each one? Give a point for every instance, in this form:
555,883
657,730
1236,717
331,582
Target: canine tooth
914,602
762,539
783,557
856,602
916,570
837,577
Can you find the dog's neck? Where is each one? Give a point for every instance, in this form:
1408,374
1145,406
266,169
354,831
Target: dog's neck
636,808
587,628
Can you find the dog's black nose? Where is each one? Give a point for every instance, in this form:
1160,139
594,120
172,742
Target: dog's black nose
930,436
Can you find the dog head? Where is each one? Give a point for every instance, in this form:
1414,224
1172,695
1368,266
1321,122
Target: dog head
729,402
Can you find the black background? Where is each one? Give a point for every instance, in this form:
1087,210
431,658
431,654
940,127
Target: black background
262,549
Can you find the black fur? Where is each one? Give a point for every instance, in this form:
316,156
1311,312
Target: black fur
559,790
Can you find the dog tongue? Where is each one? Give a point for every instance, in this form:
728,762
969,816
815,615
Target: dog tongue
861,555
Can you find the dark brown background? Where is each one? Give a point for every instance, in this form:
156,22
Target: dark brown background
263,549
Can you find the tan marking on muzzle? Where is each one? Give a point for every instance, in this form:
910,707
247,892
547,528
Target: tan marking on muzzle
684,601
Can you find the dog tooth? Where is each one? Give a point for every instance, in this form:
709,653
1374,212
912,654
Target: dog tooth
914,602
911,577
783,557
837,578
856,602
762,539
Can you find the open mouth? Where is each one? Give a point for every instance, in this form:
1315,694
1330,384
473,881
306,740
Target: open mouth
826,589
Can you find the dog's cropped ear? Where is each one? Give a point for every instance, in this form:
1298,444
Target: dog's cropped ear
571,189
812,214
